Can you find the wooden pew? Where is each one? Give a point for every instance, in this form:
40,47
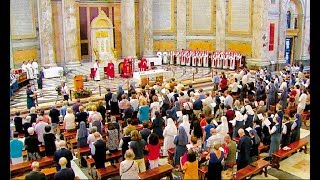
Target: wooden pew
49,172
82,152
262,148
72,144
280,154
24,167
304,116
41,149
251,170
110,157
109,171
69,135
158,172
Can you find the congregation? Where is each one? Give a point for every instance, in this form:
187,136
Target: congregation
223,128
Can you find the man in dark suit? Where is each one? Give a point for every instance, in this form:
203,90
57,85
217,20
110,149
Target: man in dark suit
63,152
243,149
64,173
100,151
35,173
107,98
190,90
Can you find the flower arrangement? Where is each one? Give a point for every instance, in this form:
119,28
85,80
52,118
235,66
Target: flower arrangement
82,93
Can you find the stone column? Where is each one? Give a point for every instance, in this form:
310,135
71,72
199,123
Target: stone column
181,24
128,33
146,29
220,25
47,52
259,34
306,36
282,30
70,34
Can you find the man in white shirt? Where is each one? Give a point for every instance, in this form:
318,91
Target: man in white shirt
244,79
302,102
234,87
30,70
64,91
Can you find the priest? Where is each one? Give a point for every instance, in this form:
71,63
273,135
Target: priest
178,58
165,57
188,58
143,64
183,57
194,58
205,59
110,70
200,59
171,57
96,68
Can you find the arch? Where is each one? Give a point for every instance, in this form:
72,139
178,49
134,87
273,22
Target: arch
101,21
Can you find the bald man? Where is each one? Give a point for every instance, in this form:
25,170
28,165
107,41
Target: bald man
35,173
243,149
63,152
64,173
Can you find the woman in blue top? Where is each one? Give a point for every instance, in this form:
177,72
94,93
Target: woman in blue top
215,167
144,110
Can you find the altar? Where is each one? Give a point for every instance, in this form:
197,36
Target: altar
53,72
157,61
152,77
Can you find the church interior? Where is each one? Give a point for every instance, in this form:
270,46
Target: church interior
99,45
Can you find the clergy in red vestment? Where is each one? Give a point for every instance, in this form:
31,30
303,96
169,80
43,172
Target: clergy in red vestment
143,64
110,70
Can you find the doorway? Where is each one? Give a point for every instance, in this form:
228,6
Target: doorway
288,49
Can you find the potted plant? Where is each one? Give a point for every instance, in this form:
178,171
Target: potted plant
82,93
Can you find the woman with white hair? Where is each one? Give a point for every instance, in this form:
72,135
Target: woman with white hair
32,145
33,115
168,133
69,120
26,125
129,168
186,124
223,128
237,123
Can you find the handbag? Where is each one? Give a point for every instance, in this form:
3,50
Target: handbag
128,168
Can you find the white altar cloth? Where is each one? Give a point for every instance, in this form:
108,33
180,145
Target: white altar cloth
52,72
157,61
152,73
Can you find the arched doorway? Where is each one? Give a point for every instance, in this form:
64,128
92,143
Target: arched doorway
102,42
294,38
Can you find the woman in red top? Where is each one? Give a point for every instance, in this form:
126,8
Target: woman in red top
292,96
154,150
223,83
203,121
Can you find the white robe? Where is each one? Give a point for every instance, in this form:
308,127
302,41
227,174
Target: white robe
29,68
178,58
35,68
165,57
97,75
171,57
205,60
168,141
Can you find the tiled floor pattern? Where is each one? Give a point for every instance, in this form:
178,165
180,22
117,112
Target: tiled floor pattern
49,85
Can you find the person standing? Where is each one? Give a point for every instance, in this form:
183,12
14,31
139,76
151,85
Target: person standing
49,141
168,133
64,173
231,150
32,145
286,131
107,98
129,168
35,173
100,151
96,67
216,81
54,115
63,152
110,70
275,133
243,149
181,141
215,157
16,147
34,66
295,128
138,145
30,97
30,70
64,91
40,77
39,128
154,150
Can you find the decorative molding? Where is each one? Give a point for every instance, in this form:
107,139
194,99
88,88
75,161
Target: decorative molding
164,37
173,20
200,37
236,38
212,20
233,32
29,15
